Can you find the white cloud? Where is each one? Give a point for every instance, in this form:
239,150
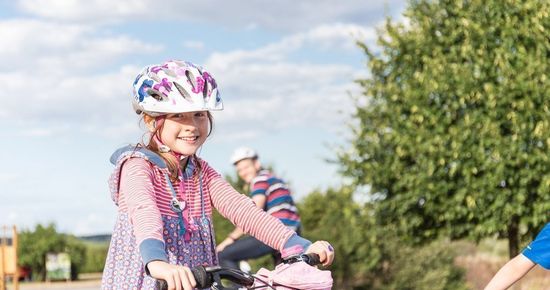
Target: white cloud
60,49
95,105
337,36
48,77
38,132
284,15
8,177
193,44
86,10
279,95
264,84
265,87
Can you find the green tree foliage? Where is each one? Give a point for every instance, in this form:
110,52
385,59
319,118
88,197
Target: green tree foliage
34,245
453,128
96,254
370,256
77,251
333,216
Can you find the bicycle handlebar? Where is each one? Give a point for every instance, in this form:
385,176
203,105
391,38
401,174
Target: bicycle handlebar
207,276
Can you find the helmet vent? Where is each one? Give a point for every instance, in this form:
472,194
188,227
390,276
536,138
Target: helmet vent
205,90
156,95
183,92
191,79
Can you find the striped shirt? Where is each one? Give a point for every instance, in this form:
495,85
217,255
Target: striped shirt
140,189
279,202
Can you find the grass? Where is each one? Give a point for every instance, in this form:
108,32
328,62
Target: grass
484,260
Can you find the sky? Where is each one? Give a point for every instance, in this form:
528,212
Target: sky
285,71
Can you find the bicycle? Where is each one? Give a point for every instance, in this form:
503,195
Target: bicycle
296,268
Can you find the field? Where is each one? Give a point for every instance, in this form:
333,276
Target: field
483,261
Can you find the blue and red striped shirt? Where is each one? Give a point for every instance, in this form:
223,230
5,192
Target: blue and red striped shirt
279,202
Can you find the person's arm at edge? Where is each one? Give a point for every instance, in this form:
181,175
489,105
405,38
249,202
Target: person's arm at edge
510,273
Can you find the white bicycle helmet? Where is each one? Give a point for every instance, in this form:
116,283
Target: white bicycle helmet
243,153
175,87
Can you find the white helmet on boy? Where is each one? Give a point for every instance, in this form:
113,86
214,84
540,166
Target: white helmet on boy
175,87
243,153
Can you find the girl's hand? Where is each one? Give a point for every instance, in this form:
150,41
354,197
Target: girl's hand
177,277
228,241
324,250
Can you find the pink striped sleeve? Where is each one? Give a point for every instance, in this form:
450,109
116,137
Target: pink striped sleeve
137,194
242,212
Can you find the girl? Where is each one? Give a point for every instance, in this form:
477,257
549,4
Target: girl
165,193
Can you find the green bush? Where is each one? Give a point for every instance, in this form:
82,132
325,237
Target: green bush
430,267
96,254
371,256
334,216
77,251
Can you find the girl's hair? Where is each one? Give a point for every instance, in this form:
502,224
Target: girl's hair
171,161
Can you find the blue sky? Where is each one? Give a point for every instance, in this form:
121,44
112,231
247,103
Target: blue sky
285,71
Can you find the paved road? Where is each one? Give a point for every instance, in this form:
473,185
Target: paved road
76,285
87,282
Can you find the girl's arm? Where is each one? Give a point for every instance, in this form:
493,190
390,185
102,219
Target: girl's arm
234,235
243,213
510,273
138,197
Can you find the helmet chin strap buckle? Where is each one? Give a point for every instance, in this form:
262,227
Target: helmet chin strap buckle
164,149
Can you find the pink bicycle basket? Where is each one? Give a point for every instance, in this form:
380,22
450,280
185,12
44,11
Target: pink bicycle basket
294,276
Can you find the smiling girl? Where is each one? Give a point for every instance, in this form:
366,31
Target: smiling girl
165,193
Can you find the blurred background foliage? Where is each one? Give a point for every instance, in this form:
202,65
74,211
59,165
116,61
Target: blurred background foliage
35,244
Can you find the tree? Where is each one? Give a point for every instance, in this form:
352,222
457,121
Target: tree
77,251
34,245
452,129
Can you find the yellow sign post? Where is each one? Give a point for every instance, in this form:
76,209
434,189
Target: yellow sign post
8,257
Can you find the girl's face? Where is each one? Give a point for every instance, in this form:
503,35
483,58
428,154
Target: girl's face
185,132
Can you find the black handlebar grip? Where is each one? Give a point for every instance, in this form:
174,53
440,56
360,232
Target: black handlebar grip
203,279
161,284
313,259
